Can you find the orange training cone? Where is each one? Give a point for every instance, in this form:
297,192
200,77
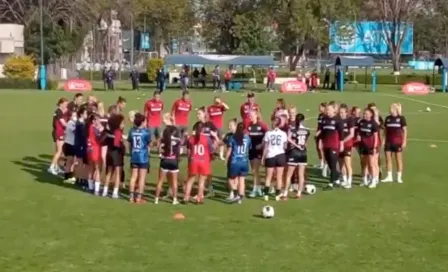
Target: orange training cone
179,216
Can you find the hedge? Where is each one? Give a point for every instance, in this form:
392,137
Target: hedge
23,84
360,78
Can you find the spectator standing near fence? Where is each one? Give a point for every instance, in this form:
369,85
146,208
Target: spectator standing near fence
314,81
227,79
216,78
270,75
135,79
327,79
161,77
203,76
196,77
110,79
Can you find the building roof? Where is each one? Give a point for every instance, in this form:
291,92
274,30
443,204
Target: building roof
220,60
364,61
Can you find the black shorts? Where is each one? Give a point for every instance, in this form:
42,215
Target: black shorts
182,130
69,150
169,165
297,157
277,161
366,151
347,152
114,158
255,154
140,165
394,148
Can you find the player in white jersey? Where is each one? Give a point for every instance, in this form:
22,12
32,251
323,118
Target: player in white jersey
274,158
69,149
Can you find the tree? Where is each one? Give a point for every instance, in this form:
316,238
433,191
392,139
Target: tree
237,27
303,24
396,16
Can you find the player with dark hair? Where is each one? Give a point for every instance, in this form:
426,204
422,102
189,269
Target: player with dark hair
153,113
59,124
368,147
238,161
139,140
297,154
169,151
115,154
345,157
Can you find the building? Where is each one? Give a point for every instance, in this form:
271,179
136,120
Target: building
11,42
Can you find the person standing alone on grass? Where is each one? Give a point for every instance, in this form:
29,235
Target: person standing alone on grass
216,78
135,79
153,113
180,111
271,75
227,78
215,114
327,79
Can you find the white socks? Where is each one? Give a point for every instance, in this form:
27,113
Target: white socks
399,179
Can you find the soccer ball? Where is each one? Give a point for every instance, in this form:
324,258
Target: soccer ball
267,212
428,109
310,189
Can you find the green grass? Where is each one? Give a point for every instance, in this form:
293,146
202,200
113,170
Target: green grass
46,226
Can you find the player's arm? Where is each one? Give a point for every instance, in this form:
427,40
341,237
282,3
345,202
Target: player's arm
265,147
173,113
351,133
375,129
291,141
242,111
340,131
225,106
404,125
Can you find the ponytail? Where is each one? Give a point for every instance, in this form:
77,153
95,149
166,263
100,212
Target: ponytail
166,140
239,134
299,119
197,132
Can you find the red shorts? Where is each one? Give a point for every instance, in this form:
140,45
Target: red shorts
199,168
94,155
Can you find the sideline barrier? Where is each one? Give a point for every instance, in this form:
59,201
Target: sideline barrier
293,86
415,88
77,85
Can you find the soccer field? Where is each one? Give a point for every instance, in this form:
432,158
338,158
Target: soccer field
48,226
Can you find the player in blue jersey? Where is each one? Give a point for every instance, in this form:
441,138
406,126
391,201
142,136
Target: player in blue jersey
238,161
139,143
232,128
80,148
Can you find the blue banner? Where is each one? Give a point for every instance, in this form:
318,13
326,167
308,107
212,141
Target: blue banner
145,41
367,38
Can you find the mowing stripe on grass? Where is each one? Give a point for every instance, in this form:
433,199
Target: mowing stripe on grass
427,140
415,100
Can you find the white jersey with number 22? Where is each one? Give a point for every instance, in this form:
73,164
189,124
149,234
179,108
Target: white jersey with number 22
275,140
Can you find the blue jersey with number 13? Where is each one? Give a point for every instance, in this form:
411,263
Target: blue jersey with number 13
240,153
139,140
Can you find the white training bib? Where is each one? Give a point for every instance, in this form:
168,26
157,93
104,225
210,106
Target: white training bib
275,140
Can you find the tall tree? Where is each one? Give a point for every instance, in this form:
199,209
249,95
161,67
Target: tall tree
237,27
303,24
396,16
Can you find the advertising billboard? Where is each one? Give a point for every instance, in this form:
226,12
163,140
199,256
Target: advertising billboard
367,37
145,41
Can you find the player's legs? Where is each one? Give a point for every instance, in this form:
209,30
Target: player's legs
279,177
103,156
142,172
133,182
388,177
399,160
54,167
267,184
301,177
348,171
162,176
201,189
256,189
290,170
172,176
373,169
107,179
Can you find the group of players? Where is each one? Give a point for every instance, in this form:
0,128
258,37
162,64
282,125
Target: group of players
93,143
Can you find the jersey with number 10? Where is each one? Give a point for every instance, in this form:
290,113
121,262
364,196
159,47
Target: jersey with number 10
240,153
201,150
275,141
139,140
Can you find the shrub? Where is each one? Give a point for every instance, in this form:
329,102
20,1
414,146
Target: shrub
17,83
20,67
52,84
153,66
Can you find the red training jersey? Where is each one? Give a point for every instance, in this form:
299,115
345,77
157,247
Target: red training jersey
181,108
58,128
330,132
367,130
215,114
246,109
93,138
394,128
200,150
153,109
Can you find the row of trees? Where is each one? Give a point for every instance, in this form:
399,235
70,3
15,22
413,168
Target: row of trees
294,27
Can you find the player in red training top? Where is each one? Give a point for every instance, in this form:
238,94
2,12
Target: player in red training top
368,146
180,111
247,107
200,149
395,128
345,157
330,131
95,136
279,110
215,114
60,118
115,154
153,113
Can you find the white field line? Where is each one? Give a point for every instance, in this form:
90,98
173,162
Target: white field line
414,100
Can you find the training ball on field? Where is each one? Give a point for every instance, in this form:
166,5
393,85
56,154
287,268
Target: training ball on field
428,109
267,212
310,189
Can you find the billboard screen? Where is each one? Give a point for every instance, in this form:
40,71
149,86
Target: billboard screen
145,41
366,38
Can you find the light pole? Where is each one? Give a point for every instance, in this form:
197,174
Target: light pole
42,70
